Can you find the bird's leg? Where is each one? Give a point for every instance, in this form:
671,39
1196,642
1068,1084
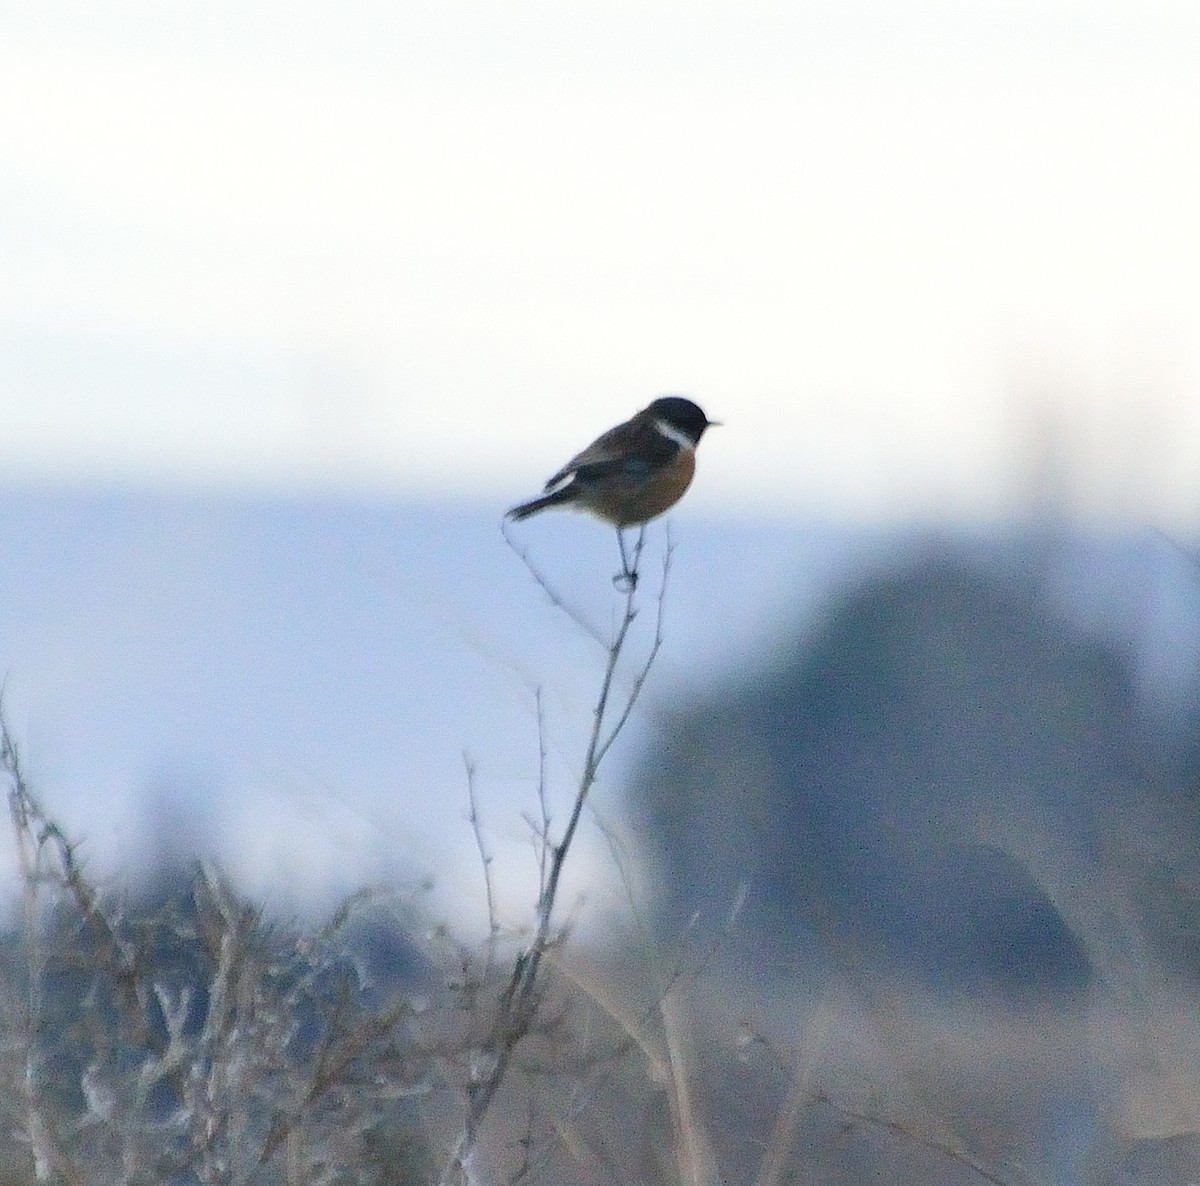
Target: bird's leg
626,580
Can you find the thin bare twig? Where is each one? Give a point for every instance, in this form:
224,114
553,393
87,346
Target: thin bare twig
598,743
485,859
543,797
803,1091
639,681
521,996
30,829
556,598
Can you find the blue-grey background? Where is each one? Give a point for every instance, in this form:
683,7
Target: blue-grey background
291,685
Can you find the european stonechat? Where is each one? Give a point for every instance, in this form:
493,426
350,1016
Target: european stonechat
632,473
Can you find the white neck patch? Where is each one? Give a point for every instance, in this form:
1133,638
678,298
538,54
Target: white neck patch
674,434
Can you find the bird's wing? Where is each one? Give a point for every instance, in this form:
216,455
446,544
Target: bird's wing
603,449
627,450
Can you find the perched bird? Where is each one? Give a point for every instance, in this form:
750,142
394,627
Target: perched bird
633,472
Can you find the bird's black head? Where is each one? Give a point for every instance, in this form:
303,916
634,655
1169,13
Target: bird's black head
682,415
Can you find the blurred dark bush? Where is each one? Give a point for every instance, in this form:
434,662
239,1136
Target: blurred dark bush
947,810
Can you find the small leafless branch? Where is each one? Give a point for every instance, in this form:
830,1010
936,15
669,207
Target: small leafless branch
520,998
485,860
556,598
543,798
29,829
802,1092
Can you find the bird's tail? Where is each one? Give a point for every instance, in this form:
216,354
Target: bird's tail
556,498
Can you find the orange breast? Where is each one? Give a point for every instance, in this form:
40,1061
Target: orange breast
627,503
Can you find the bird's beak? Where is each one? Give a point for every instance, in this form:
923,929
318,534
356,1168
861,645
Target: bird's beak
714,423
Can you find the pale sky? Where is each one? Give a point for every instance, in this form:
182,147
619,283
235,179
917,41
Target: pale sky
917,256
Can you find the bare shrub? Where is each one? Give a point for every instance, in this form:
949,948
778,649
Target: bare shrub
194,1041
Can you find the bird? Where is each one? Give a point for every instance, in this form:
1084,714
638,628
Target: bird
633,472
